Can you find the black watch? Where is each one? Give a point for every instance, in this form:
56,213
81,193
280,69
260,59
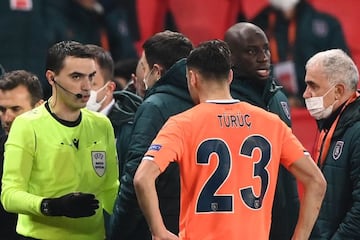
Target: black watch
45,208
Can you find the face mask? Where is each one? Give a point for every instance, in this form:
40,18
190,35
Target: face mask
92,104
284,5
315,106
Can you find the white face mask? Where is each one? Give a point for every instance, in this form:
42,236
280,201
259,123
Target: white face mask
92,104
315,106
284,5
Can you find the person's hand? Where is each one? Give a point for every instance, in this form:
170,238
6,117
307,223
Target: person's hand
166,235
73,205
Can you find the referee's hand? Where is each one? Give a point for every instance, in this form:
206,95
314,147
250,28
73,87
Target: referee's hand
73,205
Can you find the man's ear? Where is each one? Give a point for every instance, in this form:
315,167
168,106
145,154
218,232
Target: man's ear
50,76
158,72
39,103
111,86
339,91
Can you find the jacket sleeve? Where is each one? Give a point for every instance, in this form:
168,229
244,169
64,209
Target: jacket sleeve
127,214
112,179
286,202
349,227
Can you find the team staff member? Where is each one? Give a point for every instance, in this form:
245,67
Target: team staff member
20,91
60,169
167,94
227,185
254,83
332,98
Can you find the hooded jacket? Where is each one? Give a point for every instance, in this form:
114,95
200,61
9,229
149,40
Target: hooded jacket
286,201
169,96
339,216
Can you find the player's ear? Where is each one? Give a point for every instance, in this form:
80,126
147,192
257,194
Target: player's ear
192,78
231,76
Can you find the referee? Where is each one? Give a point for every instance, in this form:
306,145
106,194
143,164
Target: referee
60,168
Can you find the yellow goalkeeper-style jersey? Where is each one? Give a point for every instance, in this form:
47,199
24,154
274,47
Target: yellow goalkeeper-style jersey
45,158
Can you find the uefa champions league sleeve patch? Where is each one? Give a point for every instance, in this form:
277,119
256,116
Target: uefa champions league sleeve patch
155,147
99,162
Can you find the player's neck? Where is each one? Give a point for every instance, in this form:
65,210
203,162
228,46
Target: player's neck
215,95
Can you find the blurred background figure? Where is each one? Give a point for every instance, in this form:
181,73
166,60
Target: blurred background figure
296,31
104,23
24,36
34,25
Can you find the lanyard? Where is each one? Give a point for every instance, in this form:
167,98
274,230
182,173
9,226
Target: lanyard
323,143
272,38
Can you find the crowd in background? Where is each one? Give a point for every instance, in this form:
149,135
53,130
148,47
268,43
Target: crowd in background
115,31
29,27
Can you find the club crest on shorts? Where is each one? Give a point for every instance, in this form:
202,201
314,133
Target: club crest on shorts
99,162
338,150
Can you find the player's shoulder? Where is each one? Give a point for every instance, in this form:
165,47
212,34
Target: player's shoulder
259,112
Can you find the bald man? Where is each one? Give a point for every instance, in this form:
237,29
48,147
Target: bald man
254,83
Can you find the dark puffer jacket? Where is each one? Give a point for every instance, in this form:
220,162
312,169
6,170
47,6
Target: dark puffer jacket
169,96
339,216
286,201
122,116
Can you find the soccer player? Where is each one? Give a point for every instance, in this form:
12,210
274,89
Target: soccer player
60,169
229,154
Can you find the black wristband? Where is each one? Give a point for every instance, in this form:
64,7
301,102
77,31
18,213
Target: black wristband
45,207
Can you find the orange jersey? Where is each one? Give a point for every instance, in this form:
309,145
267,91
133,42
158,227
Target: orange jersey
229,155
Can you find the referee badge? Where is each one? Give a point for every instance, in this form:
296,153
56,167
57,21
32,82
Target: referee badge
99,162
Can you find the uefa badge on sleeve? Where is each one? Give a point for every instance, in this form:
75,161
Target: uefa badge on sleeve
99,162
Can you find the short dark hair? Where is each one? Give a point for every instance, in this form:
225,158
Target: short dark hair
124,68
13,79
166,48
211,58
59,51
104,59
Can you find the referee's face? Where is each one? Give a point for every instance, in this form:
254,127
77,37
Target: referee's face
73,83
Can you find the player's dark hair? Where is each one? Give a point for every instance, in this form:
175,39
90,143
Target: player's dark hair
212,59
166,48
59,51
13,79
104,59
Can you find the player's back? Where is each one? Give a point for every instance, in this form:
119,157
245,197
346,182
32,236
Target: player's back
229,166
